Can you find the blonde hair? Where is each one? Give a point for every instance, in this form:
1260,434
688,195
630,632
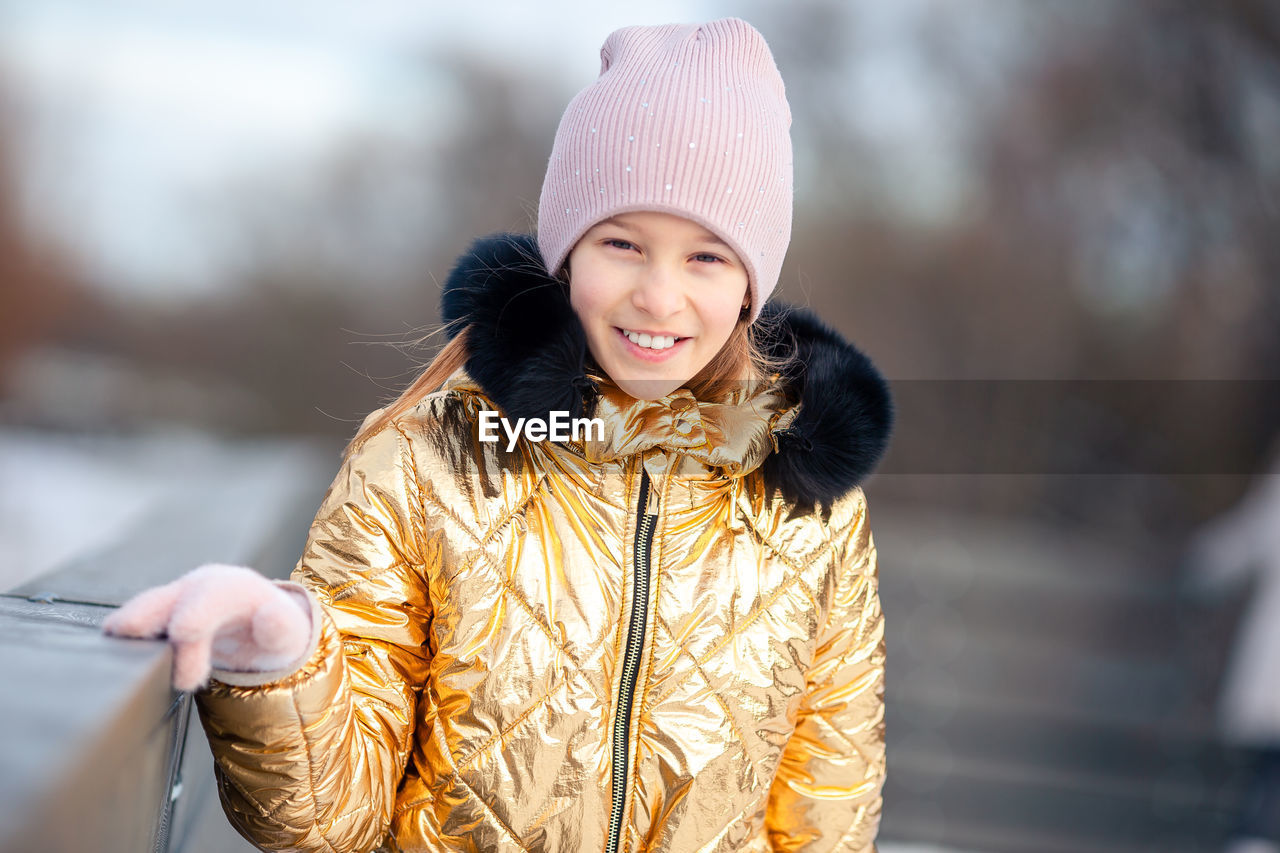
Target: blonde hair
743,358
451,357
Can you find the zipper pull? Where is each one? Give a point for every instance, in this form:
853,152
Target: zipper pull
652,468
651,504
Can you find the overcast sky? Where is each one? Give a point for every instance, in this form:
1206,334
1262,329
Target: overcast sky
135,111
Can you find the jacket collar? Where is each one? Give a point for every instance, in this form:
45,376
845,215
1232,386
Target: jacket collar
816,433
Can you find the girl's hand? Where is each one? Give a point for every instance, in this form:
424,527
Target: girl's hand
219,616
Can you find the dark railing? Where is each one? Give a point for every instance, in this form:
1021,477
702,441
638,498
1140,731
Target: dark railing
97,751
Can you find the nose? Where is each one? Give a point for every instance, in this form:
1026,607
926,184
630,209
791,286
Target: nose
658,291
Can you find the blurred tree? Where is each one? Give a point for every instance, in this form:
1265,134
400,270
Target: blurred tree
340,276
1110,215
1143,153
1122,192
36,285
1139,157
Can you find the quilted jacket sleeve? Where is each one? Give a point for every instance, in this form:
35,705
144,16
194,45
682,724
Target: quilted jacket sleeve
827,791
311,760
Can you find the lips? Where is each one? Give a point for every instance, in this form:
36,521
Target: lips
652,340
648,353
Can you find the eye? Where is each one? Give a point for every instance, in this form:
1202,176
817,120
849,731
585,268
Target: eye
618,244
704,257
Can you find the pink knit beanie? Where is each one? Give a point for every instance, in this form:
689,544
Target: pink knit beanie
689,119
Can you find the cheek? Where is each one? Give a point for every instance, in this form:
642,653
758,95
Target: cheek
593,313
588,298
724,314
586,304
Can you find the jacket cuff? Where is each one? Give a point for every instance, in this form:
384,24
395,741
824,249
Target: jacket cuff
241,678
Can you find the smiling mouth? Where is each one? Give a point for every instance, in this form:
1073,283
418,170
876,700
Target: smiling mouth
646,340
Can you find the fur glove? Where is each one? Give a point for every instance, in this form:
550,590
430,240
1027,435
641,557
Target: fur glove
227,617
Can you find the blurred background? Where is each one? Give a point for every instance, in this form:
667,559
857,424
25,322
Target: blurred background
1055,226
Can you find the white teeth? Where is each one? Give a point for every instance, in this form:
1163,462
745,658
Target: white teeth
650,341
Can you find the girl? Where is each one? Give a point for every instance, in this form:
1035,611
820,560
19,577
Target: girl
663,634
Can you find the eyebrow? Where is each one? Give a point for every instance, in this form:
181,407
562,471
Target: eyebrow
708,238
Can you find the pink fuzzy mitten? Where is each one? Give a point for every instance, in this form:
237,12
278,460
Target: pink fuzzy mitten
219,616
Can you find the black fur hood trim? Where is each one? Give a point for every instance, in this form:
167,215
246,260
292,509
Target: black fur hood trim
528,351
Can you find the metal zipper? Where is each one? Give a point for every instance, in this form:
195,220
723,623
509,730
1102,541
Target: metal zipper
646,519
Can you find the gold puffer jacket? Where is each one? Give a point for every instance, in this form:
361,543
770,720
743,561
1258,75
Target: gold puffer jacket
668,639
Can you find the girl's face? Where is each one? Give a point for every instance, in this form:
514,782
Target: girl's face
658,296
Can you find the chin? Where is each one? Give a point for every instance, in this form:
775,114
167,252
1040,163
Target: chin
648,389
